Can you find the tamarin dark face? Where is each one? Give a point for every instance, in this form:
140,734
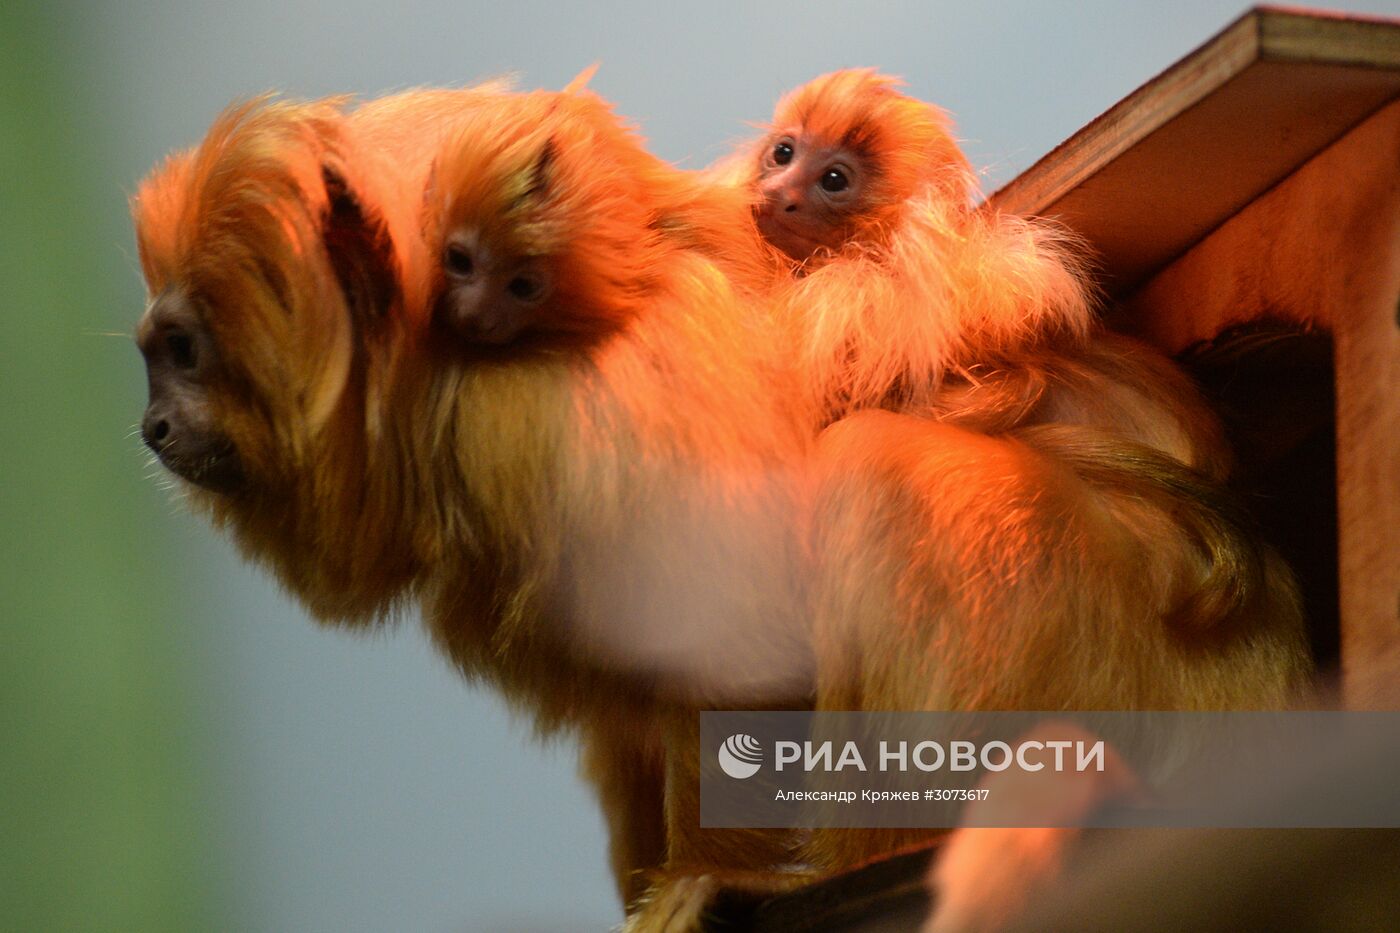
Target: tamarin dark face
497,269
183,373
846,153
491,296
250,336
811,192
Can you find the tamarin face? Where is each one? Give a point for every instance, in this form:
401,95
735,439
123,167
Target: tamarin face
492,292
185,374
812,189
846,151
541,217
501,253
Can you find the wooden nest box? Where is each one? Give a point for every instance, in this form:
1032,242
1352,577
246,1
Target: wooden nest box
1245,205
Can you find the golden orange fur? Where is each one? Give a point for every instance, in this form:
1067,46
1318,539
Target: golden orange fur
364,485
291,233
235,232
404,132
617,532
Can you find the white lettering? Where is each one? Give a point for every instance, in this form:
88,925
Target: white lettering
901,756
1005,756
919,756
1094,754
1021,761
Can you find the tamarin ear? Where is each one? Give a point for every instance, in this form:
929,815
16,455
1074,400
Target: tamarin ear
359,248
542,172
425,204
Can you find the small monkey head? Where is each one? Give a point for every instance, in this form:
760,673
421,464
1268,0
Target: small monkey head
844,153
543,219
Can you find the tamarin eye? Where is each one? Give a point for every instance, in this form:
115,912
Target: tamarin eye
835,180
525,287
181,349
457,260
782,153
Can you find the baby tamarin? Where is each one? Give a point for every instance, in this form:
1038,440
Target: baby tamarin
517,272
518,278
911,299
621,530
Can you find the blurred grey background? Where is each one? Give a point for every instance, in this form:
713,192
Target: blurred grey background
182,748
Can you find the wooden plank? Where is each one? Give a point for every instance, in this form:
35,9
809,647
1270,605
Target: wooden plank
1041,188
1301,35
1183,153
1322,249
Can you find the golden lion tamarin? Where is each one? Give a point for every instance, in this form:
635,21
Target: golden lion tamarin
627,502
1021,366
623,530
913,299
681,567
282,256
909,299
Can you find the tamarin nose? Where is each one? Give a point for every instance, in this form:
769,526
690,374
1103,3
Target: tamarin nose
155,431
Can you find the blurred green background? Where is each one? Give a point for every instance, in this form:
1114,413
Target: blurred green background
181,748
105,818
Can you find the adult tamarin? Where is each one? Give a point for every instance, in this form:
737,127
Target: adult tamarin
582,527
619,531
908,298
1083,529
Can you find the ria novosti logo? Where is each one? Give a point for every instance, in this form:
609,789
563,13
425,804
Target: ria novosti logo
740,756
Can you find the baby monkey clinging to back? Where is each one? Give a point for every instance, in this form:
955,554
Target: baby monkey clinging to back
845,153
560,247
913,299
